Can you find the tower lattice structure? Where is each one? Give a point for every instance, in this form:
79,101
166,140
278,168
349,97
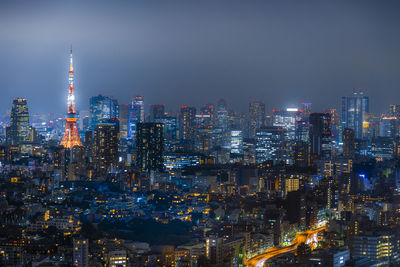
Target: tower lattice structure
71,136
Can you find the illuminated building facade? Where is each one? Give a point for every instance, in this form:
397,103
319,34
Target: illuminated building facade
117,258
354,111
170,127
256,116
287,120
269,144
135,115
380,246
102,107
206,118
306,108
236,143
150,146
123,120
106,144
382,148
302,131
321,135
18,132
173,161
81,252
71,136
388,126
187,123
302,154
348,143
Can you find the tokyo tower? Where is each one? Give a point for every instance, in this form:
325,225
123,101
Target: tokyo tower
71,136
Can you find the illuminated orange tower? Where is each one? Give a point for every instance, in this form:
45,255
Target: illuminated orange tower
71,136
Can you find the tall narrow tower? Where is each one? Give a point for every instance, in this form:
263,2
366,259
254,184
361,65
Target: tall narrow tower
71,136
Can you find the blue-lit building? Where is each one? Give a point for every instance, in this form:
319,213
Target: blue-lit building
236,144
382,147
354,111
102,107
302,131
135,115
270,144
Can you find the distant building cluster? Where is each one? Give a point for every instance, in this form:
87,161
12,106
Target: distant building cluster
144,185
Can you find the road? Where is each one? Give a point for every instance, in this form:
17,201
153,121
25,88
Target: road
308,236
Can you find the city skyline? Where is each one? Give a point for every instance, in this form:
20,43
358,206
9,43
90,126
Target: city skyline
199,133
122,50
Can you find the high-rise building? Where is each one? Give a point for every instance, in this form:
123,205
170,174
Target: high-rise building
221,134
170,127
71,136
348,143
135,115
236,145
388,126
123,120
84,121
286,119
269,144
222,115
18,132
320,135
203,140
187,123
214,250
150,146
302,154
249,151
354,111
81,252
306,108
106,144
236,142
157,111
302,131
206,118
256,116
102,107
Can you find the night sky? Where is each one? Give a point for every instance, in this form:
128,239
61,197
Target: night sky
194,52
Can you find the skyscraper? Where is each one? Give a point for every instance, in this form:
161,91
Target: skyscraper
106,141
135,115
236,145
222,115
256,116
302,155
206,118
157,111
187,123
269,144
170,127
321,135
102,107
348,143
306,108
18,132
123,120
71,136
287,120
302,131
150,146
354,111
